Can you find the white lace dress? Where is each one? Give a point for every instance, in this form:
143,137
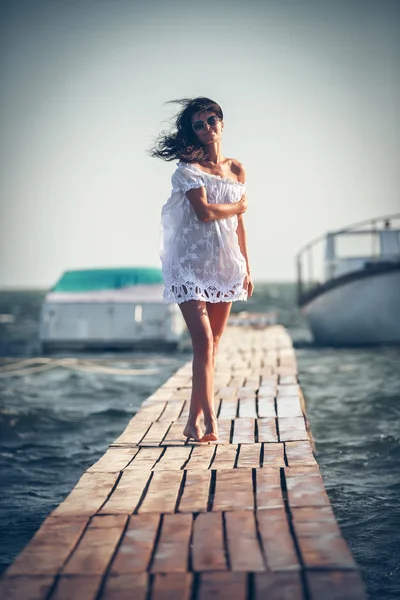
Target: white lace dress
200,261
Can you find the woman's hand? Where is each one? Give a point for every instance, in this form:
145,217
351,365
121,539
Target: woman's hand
248,284
242,204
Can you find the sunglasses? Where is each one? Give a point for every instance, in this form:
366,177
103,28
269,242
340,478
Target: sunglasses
199,125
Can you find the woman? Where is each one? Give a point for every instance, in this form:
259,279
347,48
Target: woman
203,249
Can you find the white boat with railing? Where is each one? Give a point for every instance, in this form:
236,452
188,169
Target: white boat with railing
109,308
349,284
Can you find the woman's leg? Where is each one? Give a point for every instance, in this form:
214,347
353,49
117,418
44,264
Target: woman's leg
202,399
218,313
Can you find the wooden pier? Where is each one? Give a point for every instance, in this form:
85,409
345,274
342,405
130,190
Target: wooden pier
158,518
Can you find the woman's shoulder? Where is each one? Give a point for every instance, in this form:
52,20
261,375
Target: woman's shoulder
238,169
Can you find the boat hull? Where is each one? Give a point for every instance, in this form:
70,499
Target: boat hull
362,311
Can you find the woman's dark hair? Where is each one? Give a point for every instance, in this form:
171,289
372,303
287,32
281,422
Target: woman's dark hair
182,143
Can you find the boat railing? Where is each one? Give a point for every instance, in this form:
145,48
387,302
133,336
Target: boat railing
326,257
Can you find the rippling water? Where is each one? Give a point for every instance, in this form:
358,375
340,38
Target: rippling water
55,424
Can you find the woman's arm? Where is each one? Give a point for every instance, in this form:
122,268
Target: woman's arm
241,233
211,212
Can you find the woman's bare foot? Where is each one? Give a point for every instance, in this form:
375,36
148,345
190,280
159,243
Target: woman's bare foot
193,430
211,433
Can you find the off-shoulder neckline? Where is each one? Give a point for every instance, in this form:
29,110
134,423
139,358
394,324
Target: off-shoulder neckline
227,179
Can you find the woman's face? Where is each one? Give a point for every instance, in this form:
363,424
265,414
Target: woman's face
210,132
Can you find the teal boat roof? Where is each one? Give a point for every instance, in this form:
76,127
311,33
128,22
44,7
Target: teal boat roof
81,280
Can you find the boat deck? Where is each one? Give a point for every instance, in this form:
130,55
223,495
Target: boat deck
159,518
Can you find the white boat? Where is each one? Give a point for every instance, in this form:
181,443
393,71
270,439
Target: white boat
351,297
110,308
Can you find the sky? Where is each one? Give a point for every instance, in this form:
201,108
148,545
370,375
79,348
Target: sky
310,91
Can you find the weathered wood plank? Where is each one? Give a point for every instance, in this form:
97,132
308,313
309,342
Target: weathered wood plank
208,553
122,586
172,410
96,548
172,550
88,495
134,553
273,525
268,488
50,547
247,407
173,459
195,492
299,453
172,586
249,455
225,457
200,458
266,430
155,434
233,490
243,547
228,409
162,493
280,585
243,431
220,586
175,435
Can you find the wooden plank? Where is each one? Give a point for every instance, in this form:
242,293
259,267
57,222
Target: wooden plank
266,406
175,436
195,492
200,457
88,495
114,460
243,432
67,586
121,587
249,455
299,453
49,548
333,584
266,430
133,433
225,457
280,585
224,431
273,455
272,526
208,553
144,460
292,429
126,496
243,547
150,412
172,586
172,410
228,409
220,586
326,551
247,407
288,390
233,490
289,406
229,391
173,459
134,553
268,488
155,434
25,587
172,550
162,493
96,548
305,489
